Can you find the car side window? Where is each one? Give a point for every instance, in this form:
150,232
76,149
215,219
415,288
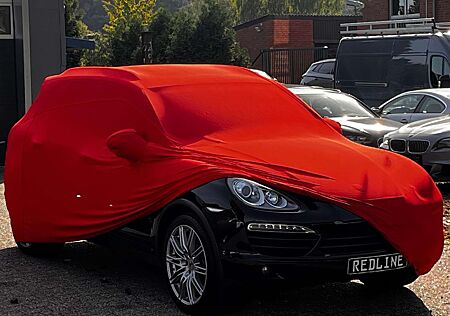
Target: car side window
430,105
327,68
439,67
317,67
404,104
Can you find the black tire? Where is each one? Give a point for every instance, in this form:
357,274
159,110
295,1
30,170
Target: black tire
389,279
40,249
211,283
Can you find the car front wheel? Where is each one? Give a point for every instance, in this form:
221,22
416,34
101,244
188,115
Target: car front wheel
192,267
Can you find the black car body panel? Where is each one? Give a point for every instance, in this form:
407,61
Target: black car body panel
334,235
376,68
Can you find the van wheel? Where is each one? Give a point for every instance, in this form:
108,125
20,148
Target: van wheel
389,279
40,249
193,270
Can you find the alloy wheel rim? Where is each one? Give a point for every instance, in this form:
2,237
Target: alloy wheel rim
186,264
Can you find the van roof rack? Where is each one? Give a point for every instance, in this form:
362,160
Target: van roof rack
394,27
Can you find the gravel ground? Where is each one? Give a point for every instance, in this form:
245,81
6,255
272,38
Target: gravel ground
91,280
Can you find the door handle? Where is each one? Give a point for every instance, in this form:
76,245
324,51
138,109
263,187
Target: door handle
404,121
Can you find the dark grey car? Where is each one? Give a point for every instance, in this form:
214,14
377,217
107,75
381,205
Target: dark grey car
427,142
358,122
320,74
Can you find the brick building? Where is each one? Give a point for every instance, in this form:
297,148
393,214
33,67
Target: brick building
379,10
290,31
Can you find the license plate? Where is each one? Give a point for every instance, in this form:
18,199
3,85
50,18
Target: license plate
376,263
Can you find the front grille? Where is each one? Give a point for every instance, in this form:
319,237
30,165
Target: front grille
283,244
349,239
333,239
398,145
418,146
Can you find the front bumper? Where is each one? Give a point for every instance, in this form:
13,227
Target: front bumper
265,243
435,162
320,256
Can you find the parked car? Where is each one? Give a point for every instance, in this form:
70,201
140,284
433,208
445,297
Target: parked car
320,73
375,67
215,172
427,142
416,105
358,122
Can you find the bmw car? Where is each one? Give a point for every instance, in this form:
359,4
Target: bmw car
216,173
358,122
427,142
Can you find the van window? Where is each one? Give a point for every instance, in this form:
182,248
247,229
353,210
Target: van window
365,68
5,20
439,67
408,72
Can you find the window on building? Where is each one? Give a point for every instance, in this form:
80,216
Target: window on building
405,7
5,20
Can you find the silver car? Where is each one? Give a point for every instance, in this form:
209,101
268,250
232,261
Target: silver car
427,142
416,105
320,74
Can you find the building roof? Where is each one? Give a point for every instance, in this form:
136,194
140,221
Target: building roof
343,18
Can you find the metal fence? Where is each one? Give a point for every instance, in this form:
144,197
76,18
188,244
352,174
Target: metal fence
288,64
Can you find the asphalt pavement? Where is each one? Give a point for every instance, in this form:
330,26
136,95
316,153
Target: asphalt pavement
87,279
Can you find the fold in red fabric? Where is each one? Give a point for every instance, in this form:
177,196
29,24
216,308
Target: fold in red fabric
101,147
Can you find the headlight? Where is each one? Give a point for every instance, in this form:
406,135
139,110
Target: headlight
442,144
358,139
385,144
260,196
355,135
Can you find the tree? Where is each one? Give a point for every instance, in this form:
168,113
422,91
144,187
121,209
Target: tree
252,9
127,20
202,32
159,32
74,28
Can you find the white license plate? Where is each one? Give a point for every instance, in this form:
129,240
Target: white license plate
376,263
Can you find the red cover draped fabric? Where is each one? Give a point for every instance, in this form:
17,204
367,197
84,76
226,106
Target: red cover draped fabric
65,181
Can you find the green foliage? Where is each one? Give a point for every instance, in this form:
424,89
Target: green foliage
120,42
74,28
201,32
252,9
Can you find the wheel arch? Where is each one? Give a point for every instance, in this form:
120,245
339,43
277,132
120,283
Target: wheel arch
181,206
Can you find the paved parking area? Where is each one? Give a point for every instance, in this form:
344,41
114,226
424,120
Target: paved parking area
91,280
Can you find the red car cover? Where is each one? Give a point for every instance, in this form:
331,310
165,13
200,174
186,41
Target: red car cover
101,147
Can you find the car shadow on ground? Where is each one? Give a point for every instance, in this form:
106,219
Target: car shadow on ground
89,279
1,174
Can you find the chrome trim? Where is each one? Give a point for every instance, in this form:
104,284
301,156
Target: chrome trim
417,140
215,209
390,147
271,227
